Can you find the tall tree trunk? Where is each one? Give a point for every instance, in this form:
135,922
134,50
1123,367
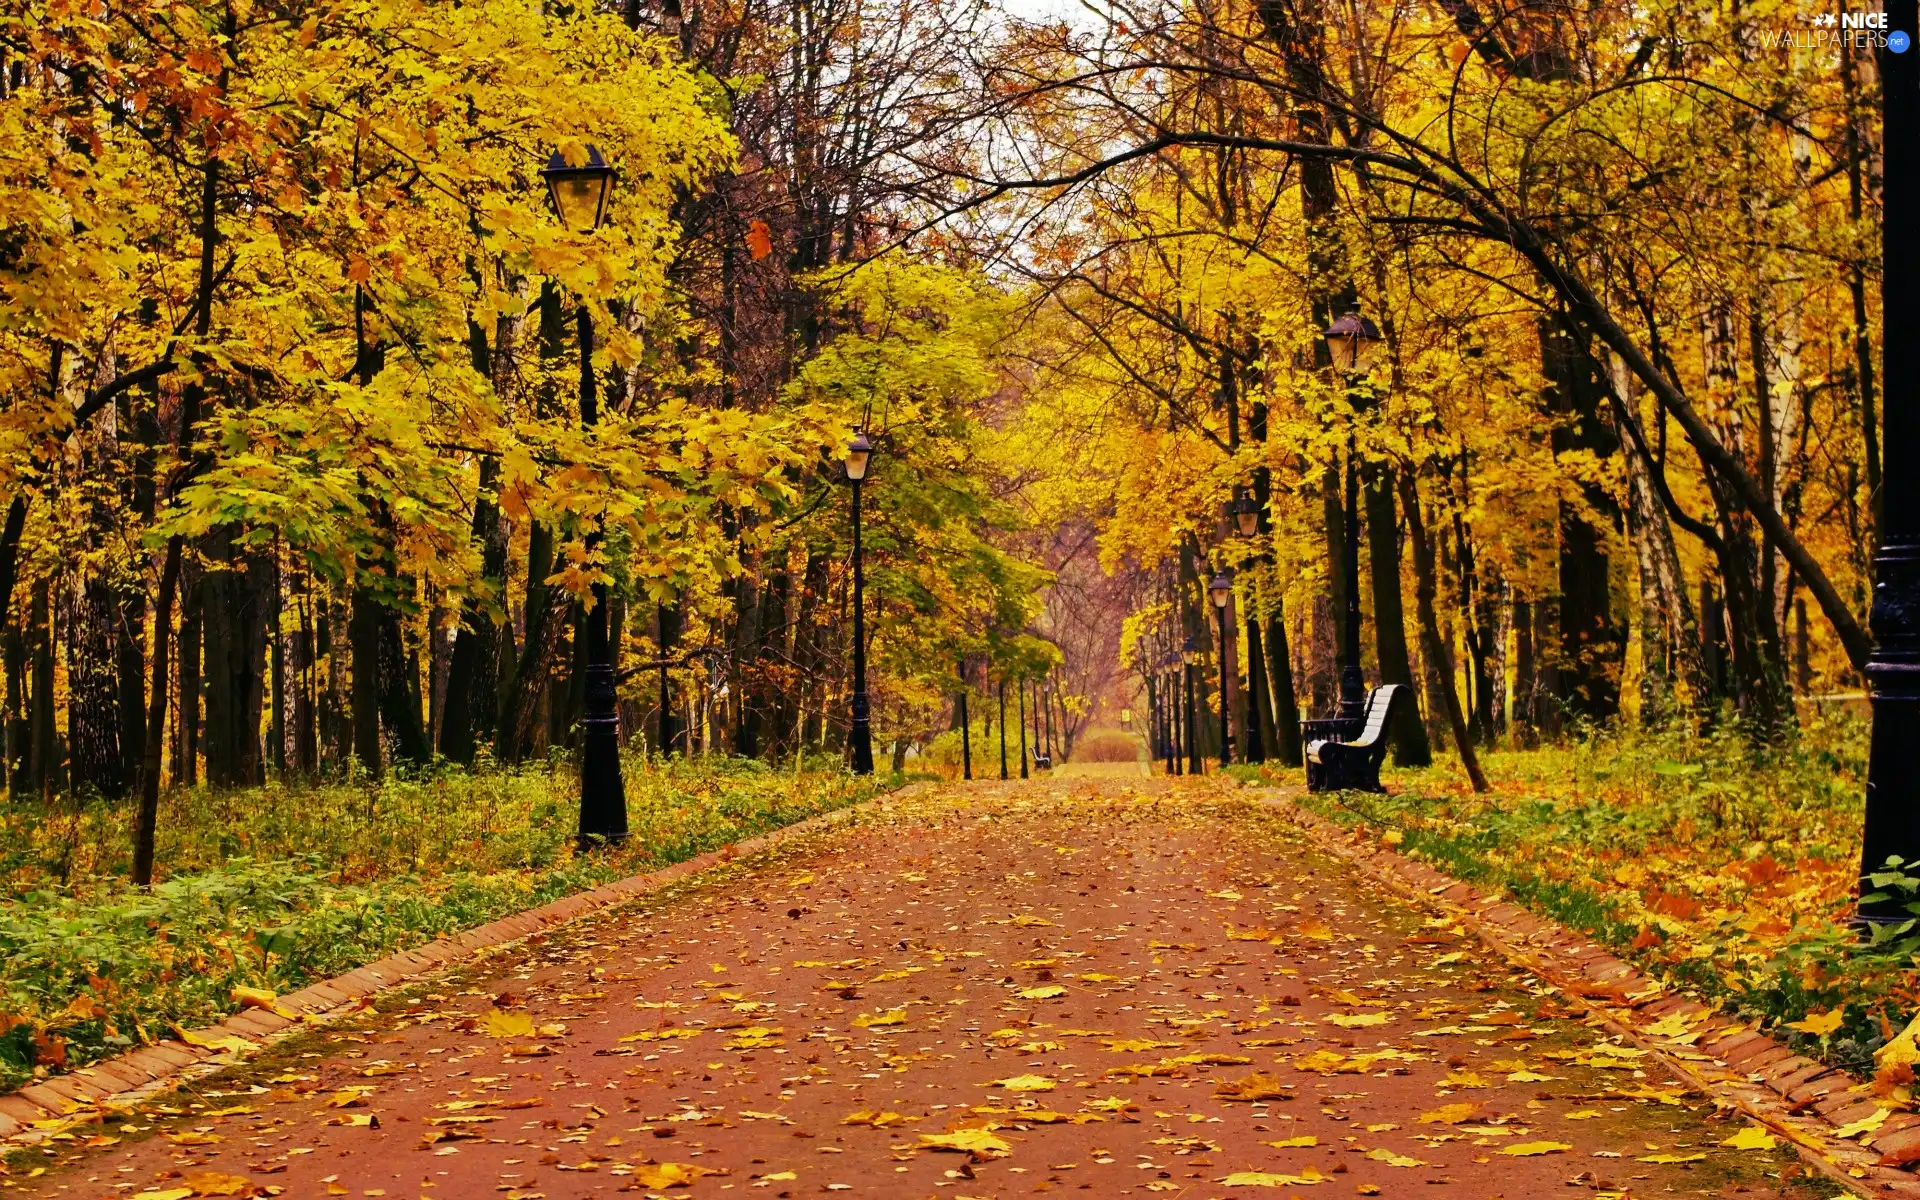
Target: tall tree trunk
93,710
521,693
1526,683
46,746
186,761
398,673
1592,643
130,667
1286,706
363,635
18,747
472,696
1410,747
1438,660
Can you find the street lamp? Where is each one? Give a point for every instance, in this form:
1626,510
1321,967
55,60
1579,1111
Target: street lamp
859,458
966,728
579,195
1190,657
1221,589
1352,342
1891,830
1245,512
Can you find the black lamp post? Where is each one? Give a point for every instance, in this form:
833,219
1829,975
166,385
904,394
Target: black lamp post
1003,729
1892,829
1221,590
1190,657
966,729
860,736
579,195
1352,342
1022,688
1245,511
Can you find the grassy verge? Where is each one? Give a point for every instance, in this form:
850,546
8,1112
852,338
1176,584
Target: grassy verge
1725,870
278,886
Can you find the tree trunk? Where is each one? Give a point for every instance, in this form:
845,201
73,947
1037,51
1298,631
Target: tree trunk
1410,747
363,635
522,692
398,674
1438,660
186,762
1592,642
1526,684
130,666
93,710
1286,706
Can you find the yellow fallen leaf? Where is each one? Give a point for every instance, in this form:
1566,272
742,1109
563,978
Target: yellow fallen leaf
893,1016
1465,1079
1136,1045
779,1177
1864,1125
1585,1114
1314,927
1293,1143
357,1120
1447,960
168,1194
1273,1179
1384,1155
1527,1077
508,1023
1530,1149
1098,977
192,1137
669,1174
1025,1083
224,1043
1225,894
1044,992
1902,1050
1029,921
1671,1158
1820,1024
980,1142
1675,1024
1357,1020
1753,1137
261,998
348,1097
878,1120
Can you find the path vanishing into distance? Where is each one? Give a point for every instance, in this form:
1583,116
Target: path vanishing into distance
1100,986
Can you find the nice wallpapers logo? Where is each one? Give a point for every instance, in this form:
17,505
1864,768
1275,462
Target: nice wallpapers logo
1841,30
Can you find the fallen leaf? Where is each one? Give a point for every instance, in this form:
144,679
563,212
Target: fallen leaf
1820,1025
978,1142
1753,1137
1294,1143
1671,1158
1451,1114
1865,1124
1384,1155
1025,1083
670,1174
878,1120
261,998
1357,1020
508,1023
1530,1149
1044,992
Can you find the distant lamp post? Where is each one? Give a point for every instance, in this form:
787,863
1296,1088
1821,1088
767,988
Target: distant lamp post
1246,515
859,458
579,195
1353,341
966,728
1190,658
1221,589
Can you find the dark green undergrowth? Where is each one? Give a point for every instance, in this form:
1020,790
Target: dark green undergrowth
279,886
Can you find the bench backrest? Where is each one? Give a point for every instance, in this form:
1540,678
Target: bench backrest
1379,706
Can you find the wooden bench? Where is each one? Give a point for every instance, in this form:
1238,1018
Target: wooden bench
1345,755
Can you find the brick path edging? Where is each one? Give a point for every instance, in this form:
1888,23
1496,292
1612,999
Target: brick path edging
141,1072
1797,1098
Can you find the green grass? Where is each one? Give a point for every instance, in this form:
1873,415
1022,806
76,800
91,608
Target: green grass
1723,868
279,886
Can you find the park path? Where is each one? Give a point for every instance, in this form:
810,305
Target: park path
1093,986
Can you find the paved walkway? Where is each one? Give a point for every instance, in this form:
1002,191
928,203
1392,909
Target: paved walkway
1090,986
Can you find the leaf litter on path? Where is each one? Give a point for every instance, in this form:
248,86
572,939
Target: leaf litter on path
1289,1031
